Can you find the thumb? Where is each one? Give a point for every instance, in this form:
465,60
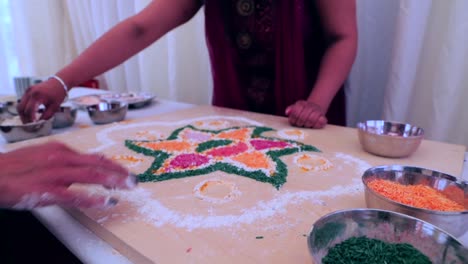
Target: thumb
50,112
321,122
288,110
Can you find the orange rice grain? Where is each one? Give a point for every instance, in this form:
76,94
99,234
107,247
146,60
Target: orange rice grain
420,196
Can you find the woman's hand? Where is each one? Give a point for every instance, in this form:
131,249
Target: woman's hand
40,175
306,114
49,93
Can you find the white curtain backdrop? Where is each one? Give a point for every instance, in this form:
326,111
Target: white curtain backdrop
33,40
5,49
428,83
412,66
41,36
369,75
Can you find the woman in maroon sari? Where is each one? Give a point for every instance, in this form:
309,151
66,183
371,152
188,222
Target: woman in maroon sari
281,57
266,56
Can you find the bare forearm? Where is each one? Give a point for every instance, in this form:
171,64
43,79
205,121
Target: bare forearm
339,21
110,50
335,67
128,38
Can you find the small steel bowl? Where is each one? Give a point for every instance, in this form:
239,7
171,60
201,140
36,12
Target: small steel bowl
15,131
133,99
82,102
389,139
456,223
8,109
390,227
107,112
64,117
4,110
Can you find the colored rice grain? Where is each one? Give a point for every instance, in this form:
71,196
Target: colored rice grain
229,150
190,160
363,250
166,145
238,134
268,144
420,196
255,160
127,158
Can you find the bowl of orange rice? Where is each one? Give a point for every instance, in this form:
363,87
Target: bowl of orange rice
432,196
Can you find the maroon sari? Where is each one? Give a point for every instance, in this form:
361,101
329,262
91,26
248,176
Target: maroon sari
265,54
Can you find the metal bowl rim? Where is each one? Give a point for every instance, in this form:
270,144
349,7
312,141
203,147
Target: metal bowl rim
76,99
68,107
408,217
122,105
360,124
39,122
427,211
420,136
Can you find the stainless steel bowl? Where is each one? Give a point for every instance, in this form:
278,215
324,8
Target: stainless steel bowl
107,112
64,117
133,99
19,132
389,139
8,109
390,227
82,102
456,223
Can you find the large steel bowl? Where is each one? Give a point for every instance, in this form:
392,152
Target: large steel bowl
15,131
455,223
389,139
390,227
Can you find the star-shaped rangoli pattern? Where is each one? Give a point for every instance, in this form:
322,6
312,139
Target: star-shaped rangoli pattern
189,151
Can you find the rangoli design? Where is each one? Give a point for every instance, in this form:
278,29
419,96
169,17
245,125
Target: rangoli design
243,151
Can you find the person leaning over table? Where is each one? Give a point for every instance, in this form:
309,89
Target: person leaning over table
38,176
282,57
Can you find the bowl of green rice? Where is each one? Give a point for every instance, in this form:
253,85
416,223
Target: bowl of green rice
360,236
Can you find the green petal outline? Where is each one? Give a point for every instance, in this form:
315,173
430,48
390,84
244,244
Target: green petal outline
276,180
212,144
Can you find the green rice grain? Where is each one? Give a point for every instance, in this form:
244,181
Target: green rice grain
363,250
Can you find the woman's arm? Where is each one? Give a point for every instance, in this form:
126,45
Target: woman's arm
117,45
128,38
339,21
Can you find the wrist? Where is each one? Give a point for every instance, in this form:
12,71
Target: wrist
323,107
61,83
